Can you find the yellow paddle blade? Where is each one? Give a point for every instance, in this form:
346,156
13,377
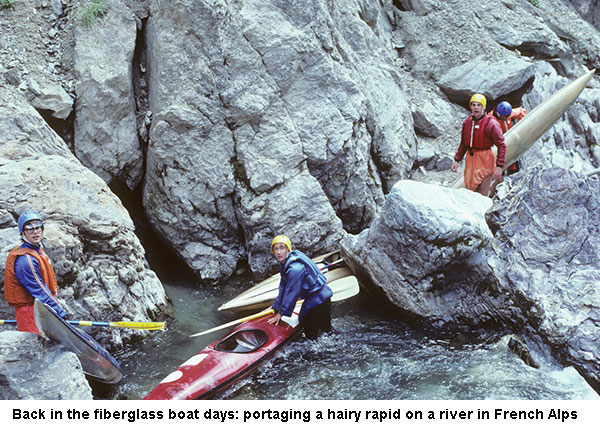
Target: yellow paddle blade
344,288
139,325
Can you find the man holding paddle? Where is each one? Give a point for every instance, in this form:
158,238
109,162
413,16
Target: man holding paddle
301,279
29,274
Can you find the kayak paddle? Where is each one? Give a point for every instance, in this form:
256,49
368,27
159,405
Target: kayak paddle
343,289
120,324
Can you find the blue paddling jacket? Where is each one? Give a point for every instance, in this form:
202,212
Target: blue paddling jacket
300,279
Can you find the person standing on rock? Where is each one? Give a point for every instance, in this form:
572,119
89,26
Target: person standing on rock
301,279
508,116
29,274
479,133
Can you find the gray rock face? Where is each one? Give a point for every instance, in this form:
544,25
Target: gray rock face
493,79
106,138
246,96
269,107
271,117
545,252
99,262
433,256
424,239
33,369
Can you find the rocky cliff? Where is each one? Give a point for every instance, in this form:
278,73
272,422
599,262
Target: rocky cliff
238,120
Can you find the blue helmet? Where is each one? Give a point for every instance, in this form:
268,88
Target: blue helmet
504,109
27,216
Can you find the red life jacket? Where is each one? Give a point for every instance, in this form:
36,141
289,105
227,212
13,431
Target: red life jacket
480,141
16,295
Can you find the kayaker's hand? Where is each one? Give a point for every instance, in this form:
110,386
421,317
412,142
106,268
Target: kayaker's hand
275,319
497,173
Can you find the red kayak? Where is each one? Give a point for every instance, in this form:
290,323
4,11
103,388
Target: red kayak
226,361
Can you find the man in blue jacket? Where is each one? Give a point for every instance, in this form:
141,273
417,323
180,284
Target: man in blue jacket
29,274
301,279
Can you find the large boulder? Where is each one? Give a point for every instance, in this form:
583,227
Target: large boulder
433,256
545,253
424,254
492,78
33,369
272,106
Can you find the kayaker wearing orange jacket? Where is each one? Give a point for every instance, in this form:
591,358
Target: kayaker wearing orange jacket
301,279
29,274
479,133
508,116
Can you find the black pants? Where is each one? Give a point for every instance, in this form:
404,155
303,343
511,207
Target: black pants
317,319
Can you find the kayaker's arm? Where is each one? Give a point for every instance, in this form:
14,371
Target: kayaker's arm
28,273
290,289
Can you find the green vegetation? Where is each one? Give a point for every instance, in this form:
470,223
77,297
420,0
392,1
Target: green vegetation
7,3
536,3
91,10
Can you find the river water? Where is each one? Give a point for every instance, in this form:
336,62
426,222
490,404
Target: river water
369,356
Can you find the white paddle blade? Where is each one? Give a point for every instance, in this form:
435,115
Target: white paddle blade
344,288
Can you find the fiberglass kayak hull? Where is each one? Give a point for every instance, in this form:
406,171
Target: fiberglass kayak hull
95,360
263,294
218,366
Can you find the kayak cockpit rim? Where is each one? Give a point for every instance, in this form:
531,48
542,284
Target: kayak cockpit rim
243,341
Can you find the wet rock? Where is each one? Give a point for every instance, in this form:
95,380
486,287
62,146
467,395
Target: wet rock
33,369
545,253
520,349
416,251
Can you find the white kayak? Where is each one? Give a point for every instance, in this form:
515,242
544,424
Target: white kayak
535,124
263,294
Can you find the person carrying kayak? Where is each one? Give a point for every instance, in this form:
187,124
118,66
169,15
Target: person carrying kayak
301,279
508,116
479,133
29,274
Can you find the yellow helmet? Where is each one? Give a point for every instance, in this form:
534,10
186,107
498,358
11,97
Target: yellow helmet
477,97
281,239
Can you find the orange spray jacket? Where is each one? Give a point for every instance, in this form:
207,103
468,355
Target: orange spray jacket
516,115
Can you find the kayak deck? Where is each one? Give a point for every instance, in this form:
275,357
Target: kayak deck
264,293
226,361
